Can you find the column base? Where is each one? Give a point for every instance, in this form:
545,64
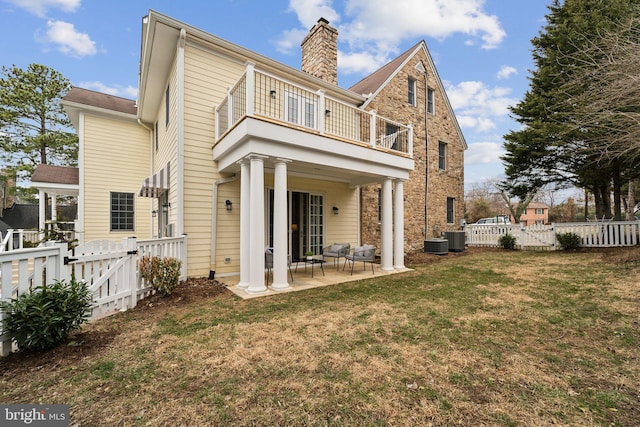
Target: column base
243,285
256,289
280,286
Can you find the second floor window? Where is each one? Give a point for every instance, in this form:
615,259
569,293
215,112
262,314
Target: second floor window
431,108
300,109
442,155
539,211
166,107
411,97
156,135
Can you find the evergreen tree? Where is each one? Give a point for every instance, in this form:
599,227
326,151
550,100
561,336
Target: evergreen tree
34,128
550,148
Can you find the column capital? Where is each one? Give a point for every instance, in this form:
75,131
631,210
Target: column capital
253,156
281,160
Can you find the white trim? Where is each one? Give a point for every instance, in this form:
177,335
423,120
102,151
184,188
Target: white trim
180,73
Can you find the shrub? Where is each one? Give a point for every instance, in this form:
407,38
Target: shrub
45,317
507,241
163,274
568,241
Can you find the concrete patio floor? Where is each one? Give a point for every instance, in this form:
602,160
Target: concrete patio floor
302,279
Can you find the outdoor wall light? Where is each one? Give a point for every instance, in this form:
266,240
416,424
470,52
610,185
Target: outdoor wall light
327,113
228,204
335,210
154,213
272,94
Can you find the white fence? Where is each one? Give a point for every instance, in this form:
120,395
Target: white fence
109,268
543,237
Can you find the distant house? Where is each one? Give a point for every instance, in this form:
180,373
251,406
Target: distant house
536,213
241,153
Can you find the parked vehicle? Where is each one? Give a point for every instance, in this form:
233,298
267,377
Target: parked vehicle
499,219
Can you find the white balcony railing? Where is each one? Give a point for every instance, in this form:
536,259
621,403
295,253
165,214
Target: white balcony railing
258,94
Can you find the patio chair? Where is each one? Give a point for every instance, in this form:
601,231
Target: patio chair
365,253
268,264
336,251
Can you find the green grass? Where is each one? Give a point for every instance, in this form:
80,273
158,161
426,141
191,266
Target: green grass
502,338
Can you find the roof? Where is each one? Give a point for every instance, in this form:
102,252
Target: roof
101,100
537,205
23,216
373,82
55,174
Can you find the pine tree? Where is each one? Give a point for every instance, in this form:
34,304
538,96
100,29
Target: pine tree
34,128
550,148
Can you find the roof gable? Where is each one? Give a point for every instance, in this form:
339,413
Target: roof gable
373,84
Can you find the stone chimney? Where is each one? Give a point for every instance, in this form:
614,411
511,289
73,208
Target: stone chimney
320,52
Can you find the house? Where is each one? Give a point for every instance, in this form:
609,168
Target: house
242,153
536,213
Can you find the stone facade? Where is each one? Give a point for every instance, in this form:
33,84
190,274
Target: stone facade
320,52
426,192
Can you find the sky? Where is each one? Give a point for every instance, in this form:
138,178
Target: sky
481,48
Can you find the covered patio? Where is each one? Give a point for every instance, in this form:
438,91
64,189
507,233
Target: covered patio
303,280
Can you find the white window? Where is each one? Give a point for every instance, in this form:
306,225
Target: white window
431,106
300,109
411,95
442,155
539,211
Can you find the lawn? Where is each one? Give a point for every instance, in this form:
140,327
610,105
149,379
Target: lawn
490,337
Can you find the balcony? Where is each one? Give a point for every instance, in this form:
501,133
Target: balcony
268,98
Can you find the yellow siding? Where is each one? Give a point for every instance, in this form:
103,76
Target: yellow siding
167,143
206,80
339,228
116,157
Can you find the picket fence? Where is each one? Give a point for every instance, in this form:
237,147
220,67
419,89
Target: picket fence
543,237
109,268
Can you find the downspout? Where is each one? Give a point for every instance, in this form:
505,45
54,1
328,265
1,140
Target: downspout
151,151
426,153
214,222
180,131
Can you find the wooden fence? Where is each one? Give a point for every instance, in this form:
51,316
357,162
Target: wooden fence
109,268
543,237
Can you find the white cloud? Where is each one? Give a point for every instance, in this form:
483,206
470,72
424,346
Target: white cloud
40,7
506,72
478,106
309,11
128,92
387,22
290,40
67,39
373,29
359,62
483,153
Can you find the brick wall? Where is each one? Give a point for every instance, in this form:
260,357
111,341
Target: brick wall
392,102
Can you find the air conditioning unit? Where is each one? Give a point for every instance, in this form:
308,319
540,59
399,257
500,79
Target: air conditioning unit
456,240
436,246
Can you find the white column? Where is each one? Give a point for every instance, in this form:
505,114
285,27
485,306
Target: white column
42,203
386,231
245,224
280,252
398,226
54,209
256,228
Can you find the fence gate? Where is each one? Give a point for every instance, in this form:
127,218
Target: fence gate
109,269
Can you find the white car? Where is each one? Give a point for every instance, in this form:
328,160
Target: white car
494,220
